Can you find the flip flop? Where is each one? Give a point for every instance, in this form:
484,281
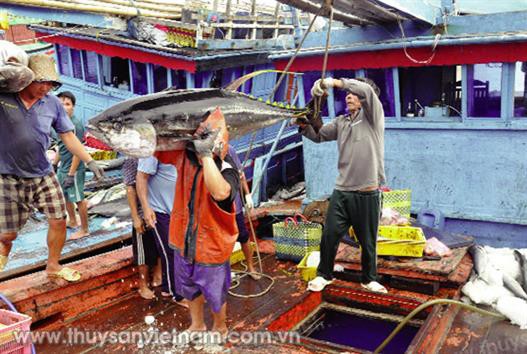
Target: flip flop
374,287
3,262
318,284
67,274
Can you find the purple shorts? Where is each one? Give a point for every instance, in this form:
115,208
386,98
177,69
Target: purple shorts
192,280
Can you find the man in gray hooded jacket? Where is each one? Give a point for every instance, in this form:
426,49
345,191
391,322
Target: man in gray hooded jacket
356,199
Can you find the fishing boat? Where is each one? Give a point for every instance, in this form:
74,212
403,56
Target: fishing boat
452,79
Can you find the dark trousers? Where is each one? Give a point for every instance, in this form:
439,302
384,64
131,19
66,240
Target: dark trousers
360,210
144,248
166,253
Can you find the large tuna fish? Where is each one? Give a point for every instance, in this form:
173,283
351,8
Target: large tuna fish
166,120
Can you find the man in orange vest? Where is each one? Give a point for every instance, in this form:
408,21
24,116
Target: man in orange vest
203,223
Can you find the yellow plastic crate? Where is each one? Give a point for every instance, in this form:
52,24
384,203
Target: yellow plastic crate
400,200
238,256
405,241
307,273
402,241
103,155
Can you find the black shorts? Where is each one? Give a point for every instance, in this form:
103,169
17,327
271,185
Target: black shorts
243,233
144,248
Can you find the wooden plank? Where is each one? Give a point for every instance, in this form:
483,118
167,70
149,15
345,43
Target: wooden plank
105,278
504,337
433,332
348,255
66,256
468,333
284,42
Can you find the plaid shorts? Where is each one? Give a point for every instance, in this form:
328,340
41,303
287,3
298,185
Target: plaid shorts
20,196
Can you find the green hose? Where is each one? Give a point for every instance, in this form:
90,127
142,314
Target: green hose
427,304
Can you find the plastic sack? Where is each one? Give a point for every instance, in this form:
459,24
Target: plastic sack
14,73
434,247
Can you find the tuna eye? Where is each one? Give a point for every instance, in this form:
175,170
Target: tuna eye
118,126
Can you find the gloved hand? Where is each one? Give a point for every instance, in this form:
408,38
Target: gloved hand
204,142
98,172
321,85
68,182
249,201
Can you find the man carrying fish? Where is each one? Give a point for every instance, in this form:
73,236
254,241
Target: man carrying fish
203,223
356,199
27,180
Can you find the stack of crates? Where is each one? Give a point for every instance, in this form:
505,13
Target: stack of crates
401,241
10,323
399,200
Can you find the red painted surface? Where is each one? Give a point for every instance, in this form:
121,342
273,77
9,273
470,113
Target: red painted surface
291,318
20,34
445,55
105,278
121,52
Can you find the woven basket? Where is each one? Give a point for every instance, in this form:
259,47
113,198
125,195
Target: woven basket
295,237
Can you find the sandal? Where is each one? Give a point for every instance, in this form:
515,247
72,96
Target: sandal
374,287
3,262
318,284
67,274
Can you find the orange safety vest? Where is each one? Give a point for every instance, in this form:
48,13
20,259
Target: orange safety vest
200,230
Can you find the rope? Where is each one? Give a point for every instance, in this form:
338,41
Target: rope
280,79
428,304
258,256
247,154
318,99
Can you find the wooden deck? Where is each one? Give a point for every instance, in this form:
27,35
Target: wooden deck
106,301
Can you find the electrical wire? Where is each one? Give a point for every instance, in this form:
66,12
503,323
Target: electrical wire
428,304
412,59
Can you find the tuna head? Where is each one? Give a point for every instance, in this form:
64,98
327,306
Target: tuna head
130,134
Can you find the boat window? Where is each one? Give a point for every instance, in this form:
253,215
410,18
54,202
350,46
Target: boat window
160,78
340,95
484,90
520,90
384,80
116,72
63,56
432,92
248,85
76,63
140,84
199,81
217,79
179,79
286,91
90,66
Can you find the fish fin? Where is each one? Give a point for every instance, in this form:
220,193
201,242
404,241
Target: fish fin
241,80
313,115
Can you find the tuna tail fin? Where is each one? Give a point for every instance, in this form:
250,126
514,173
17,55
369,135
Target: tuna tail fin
312,114
241,80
